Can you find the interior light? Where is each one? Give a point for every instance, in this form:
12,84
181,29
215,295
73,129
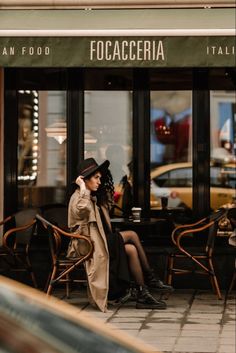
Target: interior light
57,130
33,173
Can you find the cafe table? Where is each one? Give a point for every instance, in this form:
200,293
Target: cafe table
146,228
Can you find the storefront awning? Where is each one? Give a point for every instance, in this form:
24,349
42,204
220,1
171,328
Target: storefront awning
118,38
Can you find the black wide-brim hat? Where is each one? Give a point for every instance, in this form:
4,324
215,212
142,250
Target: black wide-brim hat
90,166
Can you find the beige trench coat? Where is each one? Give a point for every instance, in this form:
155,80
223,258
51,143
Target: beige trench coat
84,212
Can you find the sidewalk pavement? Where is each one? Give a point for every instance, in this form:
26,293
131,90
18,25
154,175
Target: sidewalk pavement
194,321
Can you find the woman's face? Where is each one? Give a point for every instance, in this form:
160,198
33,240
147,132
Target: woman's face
93,182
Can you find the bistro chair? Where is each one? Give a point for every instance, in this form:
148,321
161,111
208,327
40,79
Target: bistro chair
62,266
56,213
16,240
231,215
189,237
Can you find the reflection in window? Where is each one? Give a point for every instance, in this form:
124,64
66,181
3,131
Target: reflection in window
171,147
108,135
28,136
177,177
223,148
41,148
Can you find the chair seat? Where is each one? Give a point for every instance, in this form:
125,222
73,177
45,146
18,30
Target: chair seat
197,252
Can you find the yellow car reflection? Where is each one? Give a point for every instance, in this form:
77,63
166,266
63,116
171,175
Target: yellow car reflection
175,182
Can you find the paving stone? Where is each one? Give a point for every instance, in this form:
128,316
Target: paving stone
98,313
227,333
162,326
126,319
194,322
206,321
227,349
133,333
206,308
186,344
179,301
159,333
204,316
202,327
228,340
126,326
90,308
164,314
204,295
199,333
229,328
160,346
231,308
208,299
229,322
176,309
168,321
164,347
194,349
231,316
133,312
160,340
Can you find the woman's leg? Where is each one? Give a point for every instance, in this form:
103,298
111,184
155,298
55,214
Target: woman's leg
130,237
134,264
153,281
144,298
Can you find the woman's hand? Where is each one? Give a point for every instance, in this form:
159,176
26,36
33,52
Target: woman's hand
80,181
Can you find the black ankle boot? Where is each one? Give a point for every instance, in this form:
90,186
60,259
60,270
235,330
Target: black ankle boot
146,301
153,282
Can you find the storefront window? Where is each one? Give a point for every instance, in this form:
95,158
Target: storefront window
171,148
108,135
223,147
41,148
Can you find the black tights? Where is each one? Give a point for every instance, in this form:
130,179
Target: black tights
138,262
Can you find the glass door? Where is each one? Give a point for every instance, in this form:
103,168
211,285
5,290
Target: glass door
108,135
223,148
171,149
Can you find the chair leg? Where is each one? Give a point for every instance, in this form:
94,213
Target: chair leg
232,282
47,282
215,283
33,279
30,269
170,266
26,266
67,285
50,286
217,288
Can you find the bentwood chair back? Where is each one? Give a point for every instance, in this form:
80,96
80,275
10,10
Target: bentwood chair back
16,241
202,233
56,213
62,266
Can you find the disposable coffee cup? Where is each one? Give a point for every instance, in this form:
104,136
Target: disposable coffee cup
136,214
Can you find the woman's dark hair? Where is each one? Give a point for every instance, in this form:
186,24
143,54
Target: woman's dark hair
106,188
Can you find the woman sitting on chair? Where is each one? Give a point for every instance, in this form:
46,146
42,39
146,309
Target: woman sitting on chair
117,255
